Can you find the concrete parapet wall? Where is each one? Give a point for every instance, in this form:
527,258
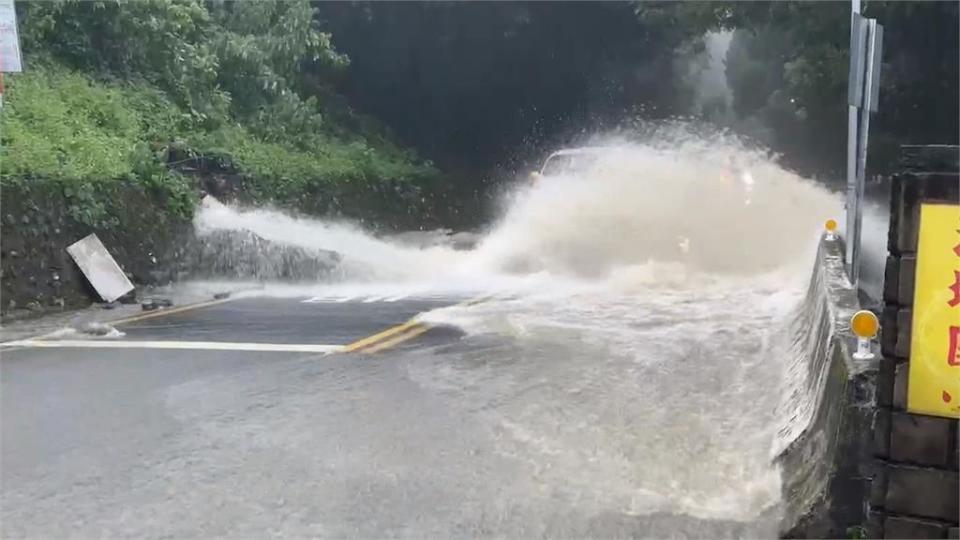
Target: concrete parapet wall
825,463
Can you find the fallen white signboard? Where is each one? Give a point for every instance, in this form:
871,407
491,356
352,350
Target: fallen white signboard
101,270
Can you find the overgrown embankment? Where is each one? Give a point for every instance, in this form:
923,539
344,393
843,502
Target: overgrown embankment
128,112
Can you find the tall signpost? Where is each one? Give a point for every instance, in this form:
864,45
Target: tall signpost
854,97
863,90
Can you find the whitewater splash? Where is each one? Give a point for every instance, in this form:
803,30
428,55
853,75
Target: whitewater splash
643,349
636,206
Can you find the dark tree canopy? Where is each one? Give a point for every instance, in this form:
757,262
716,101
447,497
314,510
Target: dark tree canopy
275,86
471,82
131,90
788,66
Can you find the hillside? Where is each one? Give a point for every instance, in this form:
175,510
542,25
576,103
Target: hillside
156,93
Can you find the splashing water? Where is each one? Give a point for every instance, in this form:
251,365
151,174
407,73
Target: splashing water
366,258
637,364
636,206
641,204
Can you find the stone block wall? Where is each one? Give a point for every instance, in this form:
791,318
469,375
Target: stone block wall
915,486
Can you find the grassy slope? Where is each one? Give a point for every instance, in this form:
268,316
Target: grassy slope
64,128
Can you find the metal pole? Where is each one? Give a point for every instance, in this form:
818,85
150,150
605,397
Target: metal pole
870,90
851,203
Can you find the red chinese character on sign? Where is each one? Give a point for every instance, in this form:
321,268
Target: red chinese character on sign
956,248
956,290
953,350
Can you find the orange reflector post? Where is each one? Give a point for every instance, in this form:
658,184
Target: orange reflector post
864,324
831,227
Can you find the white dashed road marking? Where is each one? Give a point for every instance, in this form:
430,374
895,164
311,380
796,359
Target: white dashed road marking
368,299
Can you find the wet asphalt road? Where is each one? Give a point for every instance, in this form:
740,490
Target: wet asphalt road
200,443
89,435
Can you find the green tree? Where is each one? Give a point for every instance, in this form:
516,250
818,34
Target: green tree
788,64
122,90
480,84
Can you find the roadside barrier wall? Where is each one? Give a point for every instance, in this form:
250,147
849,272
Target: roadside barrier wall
826,456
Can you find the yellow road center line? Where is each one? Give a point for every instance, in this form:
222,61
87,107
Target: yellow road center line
374,343
160,312
377,342
370,340
414,332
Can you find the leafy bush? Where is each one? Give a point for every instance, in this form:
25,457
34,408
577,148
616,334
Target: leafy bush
62,127
112,87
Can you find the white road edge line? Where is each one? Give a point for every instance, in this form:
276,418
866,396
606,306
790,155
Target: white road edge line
181,345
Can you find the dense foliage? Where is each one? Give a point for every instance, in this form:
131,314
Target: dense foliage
788,63
117,90
126,90
476,84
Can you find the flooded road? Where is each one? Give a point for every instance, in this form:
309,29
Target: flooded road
623,376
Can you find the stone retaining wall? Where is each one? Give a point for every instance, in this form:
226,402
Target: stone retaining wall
914,492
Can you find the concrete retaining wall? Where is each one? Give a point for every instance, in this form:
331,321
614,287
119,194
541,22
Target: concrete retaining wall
825,461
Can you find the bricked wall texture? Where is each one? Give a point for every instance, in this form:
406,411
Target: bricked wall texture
914,491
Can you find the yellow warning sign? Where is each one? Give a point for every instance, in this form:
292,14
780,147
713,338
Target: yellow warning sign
934,384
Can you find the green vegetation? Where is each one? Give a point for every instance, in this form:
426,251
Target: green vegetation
122,91
787,68
481,85
857,532
484,84
134,91
65,130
